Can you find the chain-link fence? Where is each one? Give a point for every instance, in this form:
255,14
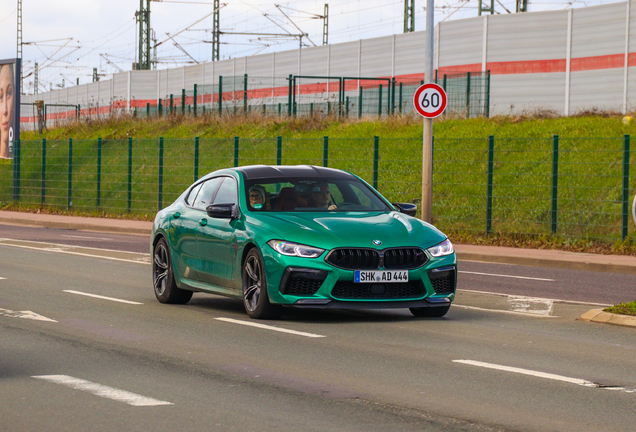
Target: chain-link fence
577,188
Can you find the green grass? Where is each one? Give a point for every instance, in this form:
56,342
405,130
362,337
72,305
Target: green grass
623,308
590,168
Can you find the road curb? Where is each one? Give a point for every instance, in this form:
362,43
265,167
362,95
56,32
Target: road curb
601,317
544,262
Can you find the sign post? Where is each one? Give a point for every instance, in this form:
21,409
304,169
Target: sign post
427,147
430,101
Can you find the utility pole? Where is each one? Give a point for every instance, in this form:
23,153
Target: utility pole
95,76
325,26
36,83
154,50
490,10
216,35
143,16
409,16
427,145
522,5
20,40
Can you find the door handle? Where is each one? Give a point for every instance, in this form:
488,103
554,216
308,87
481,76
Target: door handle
203,222
176,215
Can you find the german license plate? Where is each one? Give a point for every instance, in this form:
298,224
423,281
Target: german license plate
361,276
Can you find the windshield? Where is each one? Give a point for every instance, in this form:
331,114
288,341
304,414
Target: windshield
311,194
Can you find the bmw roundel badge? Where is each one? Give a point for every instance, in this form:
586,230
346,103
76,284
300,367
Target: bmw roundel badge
377,242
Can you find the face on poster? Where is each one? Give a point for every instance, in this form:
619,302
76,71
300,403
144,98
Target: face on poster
9,115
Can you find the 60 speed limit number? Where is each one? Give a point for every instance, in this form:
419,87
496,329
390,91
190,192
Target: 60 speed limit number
430,100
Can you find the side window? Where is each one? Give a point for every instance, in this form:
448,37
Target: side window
227,193
193,194
205,195
362,198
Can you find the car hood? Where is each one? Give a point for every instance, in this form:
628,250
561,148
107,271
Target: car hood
349,229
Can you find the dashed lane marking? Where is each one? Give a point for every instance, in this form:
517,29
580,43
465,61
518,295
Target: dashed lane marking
102,390
267,327
538,374
509,276
102,297
86,237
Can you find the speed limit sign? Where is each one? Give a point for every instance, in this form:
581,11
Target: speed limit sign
430,100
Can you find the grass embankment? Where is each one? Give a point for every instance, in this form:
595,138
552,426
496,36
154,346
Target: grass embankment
589,178
623,308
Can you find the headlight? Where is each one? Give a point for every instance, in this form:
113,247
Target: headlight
442,249
295,249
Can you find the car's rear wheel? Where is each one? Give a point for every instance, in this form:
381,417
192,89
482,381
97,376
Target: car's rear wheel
255,297
164,284
430,312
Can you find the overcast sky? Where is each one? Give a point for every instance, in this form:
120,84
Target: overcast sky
76,32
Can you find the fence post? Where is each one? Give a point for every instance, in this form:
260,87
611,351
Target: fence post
625,186
236,151
183,96
491,166
376,158
392,108
69,194
171,103
467,94
555,179
130,146
244,93
16,171
400,98
43,171
487,94
279,150
195,100
160,189
444,82
359,102
325,151
196,158
148,110
347,107
311,109
220,95
380,101
289,97
99,172
160,107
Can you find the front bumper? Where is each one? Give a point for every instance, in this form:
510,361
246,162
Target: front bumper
432,285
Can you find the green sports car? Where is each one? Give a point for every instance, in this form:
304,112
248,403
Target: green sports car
299,236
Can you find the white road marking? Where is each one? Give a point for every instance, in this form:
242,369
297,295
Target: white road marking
25,314
530,305
509,276
545,375
528,314
102,297
538,298
1,278
85,237
52,247
266,327
102,390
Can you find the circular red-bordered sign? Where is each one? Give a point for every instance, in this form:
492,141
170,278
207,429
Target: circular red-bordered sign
430,100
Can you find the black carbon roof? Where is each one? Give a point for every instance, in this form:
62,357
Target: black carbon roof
295,171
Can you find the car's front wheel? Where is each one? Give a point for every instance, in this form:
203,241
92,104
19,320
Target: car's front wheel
430,312
165,286
255,297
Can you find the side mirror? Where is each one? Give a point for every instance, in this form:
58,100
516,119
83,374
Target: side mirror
406,208
220,211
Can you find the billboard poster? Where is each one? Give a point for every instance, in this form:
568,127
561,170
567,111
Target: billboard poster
9,106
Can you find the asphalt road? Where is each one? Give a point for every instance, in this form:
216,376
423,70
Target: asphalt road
82,363
551,283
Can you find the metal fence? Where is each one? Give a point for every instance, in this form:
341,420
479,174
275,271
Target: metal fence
301,95
577,188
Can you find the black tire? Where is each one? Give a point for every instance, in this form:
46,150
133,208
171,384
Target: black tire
163,281
430,312
255,297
